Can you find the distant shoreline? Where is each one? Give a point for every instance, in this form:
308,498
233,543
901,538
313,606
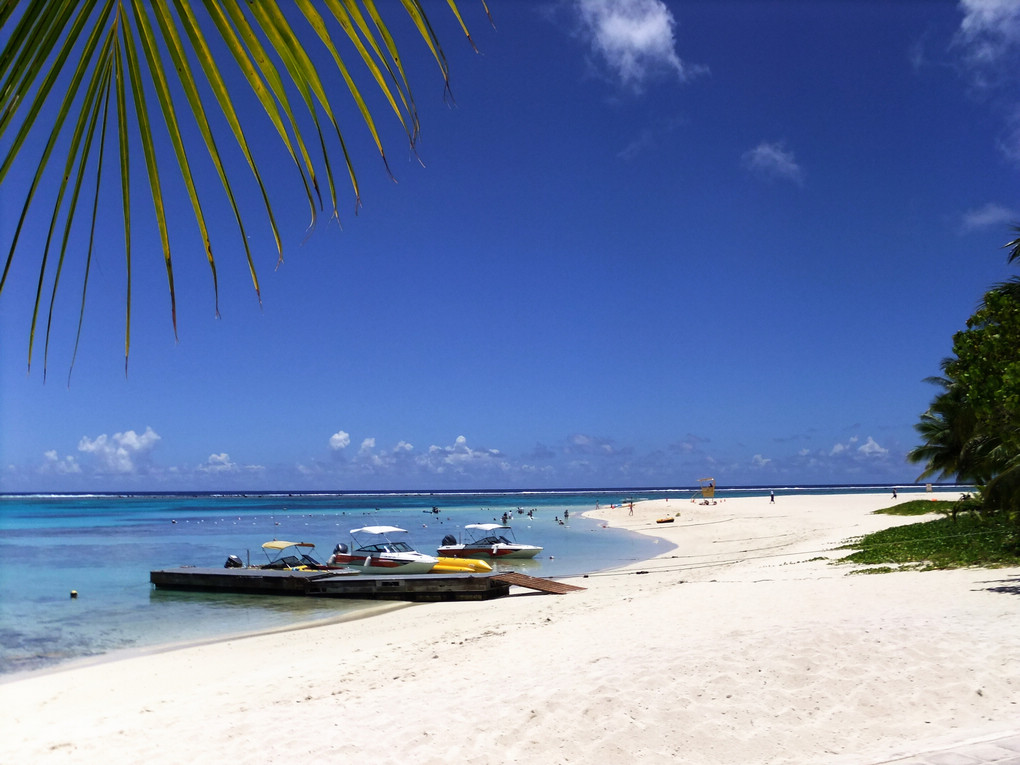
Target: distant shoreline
720,490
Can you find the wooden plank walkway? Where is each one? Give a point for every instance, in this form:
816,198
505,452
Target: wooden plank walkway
536,583
332,584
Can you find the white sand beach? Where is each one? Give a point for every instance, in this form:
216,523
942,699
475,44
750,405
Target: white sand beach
741,644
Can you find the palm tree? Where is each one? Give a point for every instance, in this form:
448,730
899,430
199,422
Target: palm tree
951,444
967,432
110,68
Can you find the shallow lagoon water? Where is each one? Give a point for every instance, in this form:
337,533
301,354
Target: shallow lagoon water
103,547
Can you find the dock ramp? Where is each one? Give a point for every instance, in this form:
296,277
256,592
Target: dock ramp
536,583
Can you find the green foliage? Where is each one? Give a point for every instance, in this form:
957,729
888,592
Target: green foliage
969,540
876,570
972,428
967,504
918,507
987,363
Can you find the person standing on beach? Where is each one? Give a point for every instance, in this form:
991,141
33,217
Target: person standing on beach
772,498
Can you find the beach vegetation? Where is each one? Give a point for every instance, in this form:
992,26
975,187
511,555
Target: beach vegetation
101,91
878,570
917,507
967,503
971,430
969,539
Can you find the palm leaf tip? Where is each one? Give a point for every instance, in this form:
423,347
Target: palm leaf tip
1014,246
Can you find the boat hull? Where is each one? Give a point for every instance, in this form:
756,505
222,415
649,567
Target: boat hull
490,551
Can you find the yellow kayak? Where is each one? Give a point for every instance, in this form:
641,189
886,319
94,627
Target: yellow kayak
460,566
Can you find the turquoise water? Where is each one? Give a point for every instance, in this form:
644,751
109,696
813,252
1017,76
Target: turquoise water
104,547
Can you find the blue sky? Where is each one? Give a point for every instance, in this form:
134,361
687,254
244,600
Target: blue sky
647,242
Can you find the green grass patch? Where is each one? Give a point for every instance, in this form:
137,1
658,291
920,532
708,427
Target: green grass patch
876,570
944,543
918,507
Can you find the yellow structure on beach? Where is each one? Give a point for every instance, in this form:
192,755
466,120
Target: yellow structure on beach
707,487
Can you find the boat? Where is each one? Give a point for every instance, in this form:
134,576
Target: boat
487,540
374,551
282,556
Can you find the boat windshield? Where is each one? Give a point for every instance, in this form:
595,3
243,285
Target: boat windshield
385,547
290,554
492,540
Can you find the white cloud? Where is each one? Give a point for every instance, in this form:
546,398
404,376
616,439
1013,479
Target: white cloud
634,39
840,448
991,215
367,446
871,449
62,466
772,160
461,458
989,34
121,452
849,450
759,461
585,444
988,43
339,440
221,463
218,463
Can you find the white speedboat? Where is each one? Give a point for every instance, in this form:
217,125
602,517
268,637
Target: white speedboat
487,540
375,551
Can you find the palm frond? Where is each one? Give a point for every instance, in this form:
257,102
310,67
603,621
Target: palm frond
113,65
1014,246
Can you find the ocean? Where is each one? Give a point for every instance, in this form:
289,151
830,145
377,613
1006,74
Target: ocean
103,547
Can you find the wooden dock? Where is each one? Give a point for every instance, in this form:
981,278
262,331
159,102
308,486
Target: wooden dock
342,584
332,584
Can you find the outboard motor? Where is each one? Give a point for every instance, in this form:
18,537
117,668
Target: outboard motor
340,549
449,539
233,562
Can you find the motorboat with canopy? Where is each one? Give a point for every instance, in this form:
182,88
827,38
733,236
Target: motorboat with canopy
487,540
282,555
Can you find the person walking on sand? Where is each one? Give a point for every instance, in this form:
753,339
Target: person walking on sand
772,498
